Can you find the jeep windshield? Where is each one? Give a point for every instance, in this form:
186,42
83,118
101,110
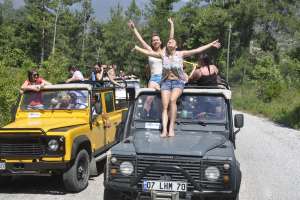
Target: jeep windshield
55,100
193,110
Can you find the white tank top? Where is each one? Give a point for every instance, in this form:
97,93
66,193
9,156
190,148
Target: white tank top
155,65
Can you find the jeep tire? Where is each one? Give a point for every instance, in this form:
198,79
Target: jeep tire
77,176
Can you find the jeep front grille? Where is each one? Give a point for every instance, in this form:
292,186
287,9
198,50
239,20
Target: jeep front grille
214,185
190,164
21,147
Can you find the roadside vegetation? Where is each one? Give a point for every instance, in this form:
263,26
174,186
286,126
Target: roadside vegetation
264,59
284,110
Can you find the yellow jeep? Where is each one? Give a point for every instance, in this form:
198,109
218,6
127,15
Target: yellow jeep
62,130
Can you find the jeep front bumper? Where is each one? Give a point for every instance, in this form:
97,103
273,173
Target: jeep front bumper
134,192
32,168
131,188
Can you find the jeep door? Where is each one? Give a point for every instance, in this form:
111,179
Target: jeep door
113,116
98,129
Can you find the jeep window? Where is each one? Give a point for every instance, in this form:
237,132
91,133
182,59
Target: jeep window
109,101
191,108
96,105
55,100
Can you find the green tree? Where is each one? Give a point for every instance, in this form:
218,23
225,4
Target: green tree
157,13
133,12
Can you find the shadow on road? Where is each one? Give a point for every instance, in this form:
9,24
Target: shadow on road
34,185
51,185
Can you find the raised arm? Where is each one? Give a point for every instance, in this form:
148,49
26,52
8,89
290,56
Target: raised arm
138,35
147,52
215,44
171,28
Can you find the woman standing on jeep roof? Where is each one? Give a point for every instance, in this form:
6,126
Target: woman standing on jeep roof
155,64
173,78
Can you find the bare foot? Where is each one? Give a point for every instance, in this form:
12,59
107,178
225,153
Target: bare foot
164,134
171,133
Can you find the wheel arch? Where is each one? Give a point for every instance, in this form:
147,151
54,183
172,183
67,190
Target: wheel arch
81,142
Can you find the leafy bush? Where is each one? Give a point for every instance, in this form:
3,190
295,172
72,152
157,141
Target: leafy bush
268,79
290,69
242,68
14,57
11,80
56,68
285,109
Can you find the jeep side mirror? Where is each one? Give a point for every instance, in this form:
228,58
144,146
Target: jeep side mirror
238,120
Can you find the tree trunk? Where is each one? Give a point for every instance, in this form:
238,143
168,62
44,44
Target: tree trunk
43,34
55,27
83,38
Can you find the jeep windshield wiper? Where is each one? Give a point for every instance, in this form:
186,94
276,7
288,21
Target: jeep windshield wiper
202,123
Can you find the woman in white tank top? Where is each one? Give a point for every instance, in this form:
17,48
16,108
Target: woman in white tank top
156,46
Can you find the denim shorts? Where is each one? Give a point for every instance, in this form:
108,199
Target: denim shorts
156,78
171,84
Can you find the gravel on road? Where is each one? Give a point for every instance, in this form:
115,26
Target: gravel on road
268,153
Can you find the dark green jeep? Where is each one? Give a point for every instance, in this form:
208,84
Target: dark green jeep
198,163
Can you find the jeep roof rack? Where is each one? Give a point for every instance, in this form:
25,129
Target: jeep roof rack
97,84
220,85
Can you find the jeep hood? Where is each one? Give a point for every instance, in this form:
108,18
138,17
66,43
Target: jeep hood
181,144
45,123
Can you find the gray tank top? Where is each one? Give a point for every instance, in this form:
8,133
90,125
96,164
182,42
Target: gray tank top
173,64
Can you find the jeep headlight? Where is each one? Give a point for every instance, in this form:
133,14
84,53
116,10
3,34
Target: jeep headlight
53,145
212,173
126,168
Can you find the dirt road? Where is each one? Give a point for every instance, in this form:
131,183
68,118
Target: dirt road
269,157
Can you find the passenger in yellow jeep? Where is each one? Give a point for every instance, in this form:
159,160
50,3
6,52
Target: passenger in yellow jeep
69,100
110,74
97,73
33,84
62,101
75,74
